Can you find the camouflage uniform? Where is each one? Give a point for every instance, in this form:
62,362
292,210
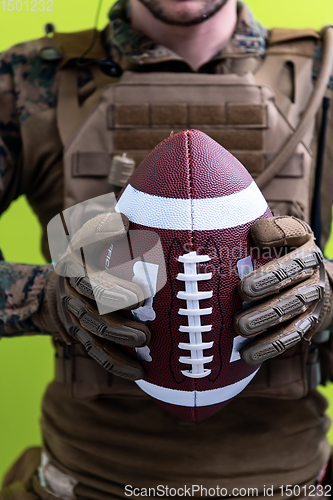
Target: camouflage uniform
295,451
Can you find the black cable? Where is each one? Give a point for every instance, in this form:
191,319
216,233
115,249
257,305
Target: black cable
110,68
94,37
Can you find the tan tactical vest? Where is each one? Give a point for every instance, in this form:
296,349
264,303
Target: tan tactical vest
253,111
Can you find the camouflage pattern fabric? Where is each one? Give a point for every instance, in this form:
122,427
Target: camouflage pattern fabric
29,85
20,293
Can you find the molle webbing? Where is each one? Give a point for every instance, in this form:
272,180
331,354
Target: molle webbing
142,126
139,110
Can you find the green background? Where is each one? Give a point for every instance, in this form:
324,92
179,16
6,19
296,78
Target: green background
26,364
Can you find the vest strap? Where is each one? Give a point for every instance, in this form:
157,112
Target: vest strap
70,114
68,46
283,35
87,379
313,106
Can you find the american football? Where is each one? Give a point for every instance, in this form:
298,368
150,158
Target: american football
201,202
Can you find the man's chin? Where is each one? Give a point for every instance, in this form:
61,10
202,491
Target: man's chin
183,12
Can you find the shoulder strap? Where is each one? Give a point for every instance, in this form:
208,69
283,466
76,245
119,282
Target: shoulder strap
69,46
312,108
292,41
70,114
285,35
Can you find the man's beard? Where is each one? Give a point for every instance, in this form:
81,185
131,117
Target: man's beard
209,8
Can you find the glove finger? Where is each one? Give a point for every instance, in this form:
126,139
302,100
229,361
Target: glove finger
112,293
117,329
108,356
292,302
112,326
280,273
280,231
280,338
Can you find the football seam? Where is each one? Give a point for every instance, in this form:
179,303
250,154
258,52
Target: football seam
188,144
190,176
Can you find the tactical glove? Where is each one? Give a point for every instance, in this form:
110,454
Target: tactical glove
69,300
291,295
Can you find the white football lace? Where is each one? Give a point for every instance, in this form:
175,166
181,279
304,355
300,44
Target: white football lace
192,296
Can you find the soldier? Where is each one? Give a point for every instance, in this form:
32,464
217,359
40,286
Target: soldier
60,114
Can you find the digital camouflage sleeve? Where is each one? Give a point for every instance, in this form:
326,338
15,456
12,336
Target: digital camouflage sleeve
27,86
21,287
